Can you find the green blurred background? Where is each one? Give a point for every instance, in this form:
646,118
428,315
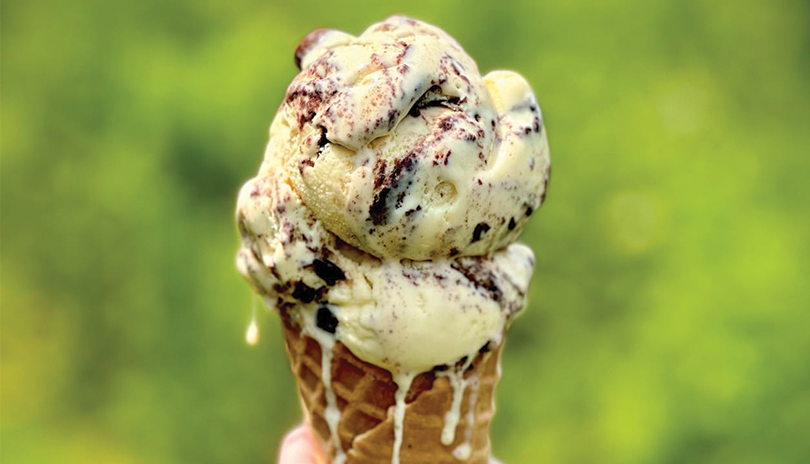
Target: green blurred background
670,311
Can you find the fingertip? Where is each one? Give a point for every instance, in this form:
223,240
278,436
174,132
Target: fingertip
299,447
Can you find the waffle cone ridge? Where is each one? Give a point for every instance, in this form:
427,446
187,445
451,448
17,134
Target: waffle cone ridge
365,397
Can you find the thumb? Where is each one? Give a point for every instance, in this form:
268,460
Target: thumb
299,447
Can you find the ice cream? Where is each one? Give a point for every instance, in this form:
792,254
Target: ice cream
384,217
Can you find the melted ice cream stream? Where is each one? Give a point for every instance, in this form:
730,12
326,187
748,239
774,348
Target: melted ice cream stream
252,332
459,384
463,451
403,381
331,413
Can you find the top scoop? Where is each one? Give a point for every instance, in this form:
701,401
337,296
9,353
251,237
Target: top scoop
401,148
395,182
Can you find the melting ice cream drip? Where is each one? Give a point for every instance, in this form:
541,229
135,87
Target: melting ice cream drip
464,450
252,333
332,412
403,381
457,381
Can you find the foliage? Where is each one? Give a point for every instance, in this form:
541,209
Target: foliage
668,320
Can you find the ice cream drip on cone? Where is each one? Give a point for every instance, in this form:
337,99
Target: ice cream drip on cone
382,225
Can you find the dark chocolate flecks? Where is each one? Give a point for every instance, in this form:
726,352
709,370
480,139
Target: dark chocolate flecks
306,98
326,320
479,276
512,224
328,271
406,47
413,210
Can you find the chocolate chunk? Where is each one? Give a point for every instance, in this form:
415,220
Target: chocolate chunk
304,292
441,367
378,211
480,229
326,320
512,224
323,140
328,271
434,97
485,349
453,252
529,211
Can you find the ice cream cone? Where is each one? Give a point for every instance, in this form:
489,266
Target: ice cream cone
366,399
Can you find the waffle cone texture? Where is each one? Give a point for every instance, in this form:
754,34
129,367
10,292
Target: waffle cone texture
365,398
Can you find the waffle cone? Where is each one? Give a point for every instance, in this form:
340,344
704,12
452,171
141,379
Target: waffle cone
365,397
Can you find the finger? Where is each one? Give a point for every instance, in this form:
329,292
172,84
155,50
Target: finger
298,447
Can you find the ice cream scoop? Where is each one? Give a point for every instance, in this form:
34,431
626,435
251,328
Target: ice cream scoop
392,313
402,149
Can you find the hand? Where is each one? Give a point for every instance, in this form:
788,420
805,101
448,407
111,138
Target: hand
299,447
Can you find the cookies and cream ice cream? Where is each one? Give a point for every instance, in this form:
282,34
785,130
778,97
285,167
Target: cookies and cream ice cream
394,186
401,148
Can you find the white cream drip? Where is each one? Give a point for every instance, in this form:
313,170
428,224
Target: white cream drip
252,333
464,450
456,378
332,413
403,381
